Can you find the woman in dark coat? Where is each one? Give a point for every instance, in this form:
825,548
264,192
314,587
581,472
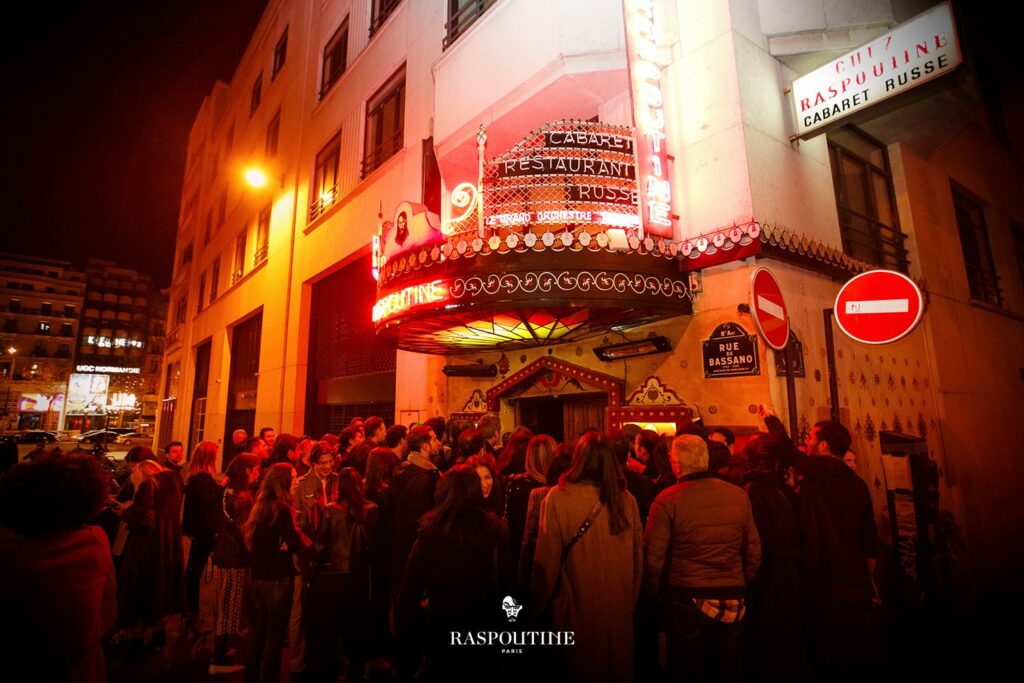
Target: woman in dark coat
231,561
200,522
151,579
460,568
273,538
338,595
773,633
540,451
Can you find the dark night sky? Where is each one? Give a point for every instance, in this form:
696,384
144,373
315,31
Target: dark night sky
100,99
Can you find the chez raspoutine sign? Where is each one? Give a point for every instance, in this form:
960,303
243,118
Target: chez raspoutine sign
913,53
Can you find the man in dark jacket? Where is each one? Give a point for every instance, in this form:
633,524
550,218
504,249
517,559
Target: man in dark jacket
412,489
840,540
702,549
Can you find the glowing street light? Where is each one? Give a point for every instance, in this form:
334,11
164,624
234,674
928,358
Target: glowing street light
256,177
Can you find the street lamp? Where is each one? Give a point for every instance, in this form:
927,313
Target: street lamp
255,176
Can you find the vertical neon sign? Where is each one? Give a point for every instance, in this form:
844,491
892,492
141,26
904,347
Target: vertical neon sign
655,187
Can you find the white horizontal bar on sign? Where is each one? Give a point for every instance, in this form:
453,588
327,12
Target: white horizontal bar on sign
878,306
770,307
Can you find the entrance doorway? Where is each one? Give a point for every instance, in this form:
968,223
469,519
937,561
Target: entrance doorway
562,417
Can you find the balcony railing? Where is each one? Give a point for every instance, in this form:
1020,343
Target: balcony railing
387,148
236,275
462,19
260,256
325,200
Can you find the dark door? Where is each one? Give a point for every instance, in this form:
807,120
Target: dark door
243,381
564,418
581,413
543,415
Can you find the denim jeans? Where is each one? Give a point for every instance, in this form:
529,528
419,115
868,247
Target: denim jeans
271,606
699,647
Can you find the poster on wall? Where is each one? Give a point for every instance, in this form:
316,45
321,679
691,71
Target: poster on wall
731,352
87,394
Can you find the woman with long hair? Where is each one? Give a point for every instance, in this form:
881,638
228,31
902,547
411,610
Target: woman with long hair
200,521
273,537
540,451
339,587
560,462
513,456
231,560
460,566
150,582
588,563
491,485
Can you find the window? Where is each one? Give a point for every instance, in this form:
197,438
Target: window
325,178
868,223
69,311
222,209
44,327
257,93
335,58
382,9
214,279
280,53
179,314
201,299
1017,232
385,119
981,271
14,305
64,350
65,330
461,15
186,255
273,132
262,236
209,228
239,266
46,308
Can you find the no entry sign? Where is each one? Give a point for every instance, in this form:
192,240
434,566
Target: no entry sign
769,309
879,307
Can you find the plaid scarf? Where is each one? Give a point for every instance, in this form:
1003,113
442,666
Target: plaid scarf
726,611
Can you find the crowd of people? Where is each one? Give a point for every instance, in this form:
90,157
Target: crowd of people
380,553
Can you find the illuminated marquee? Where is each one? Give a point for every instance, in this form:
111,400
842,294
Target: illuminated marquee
649,112
408,298
610,218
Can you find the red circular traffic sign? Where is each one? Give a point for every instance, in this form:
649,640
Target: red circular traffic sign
879,307
769,309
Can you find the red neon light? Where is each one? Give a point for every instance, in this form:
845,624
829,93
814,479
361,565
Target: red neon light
410,297
649,113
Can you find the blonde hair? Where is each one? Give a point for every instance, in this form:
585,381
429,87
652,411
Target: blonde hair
539,454
691,452
144,470
204,459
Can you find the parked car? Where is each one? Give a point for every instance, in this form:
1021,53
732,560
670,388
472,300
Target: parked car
36,436
136,439
99,436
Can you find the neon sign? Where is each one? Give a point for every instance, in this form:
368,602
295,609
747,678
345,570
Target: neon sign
649,112
410,297
612,218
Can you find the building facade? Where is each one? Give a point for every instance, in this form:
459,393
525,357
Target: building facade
116,341
554,210
41,300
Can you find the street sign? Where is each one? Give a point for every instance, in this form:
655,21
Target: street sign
879,307
731,352
769,309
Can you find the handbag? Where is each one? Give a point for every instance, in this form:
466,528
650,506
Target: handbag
561,594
